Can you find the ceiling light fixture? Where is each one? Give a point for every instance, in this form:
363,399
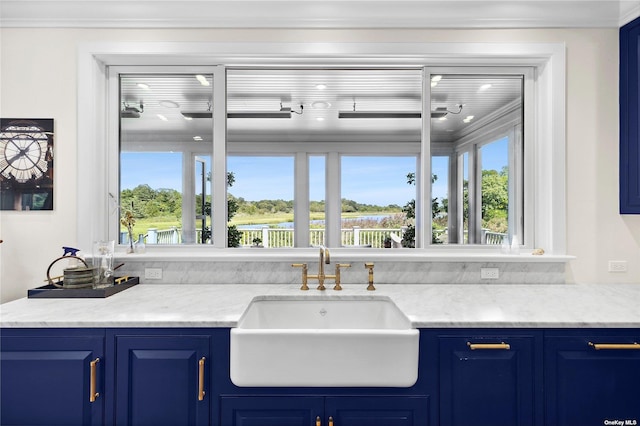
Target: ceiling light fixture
285,112
437,113
203,80
320,105
197,138
190,115
168,104
144,86
468,119
485,87
131,111
321,86
379,114
162,117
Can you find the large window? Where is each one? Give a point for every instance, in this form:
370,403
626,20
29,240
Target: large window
477,123
165,135
323,156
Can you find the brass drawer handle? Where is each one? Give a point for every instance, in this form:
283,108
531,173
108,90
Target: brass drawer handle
483,346
599,346
201,379
93,365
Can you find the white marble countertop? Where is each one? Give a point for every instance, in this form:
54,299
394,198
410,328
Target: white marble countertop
427,306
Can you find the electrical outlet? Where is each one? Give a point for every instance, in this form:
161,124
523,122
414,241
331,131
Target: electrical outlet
617,266
489,273
153,273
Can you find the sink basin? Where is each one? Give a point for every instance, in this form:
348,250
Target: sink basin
324,341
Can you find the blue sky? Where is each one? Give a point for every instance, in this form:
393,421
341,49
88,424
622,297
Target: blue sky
369,180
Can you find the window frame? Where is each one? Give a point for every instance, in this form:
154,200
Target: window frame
471,144
548,59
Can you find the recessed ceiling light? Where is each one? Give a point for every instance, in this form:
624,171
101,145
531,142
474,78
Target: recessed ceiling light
321,86
442,118
320,105
202,79
168,104
485,86
162,117
187,118
143,86
320,118
468,118
197,138
436,78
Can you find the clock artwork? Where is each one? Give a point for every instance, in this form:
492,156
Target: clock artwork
26,164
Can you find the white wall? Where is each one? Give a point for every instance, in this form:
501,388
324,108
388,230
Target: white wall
38,80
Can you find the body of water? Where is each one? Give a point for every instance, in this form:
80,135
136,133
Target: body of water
377,217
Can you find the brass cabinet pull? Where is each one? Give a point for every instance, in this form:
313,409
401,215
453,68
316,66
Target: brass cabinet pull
480,346
201,379
318,421
330,421
599,346
93,365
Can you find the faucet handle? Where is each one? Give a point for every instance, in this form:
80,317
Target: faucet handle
337,280
369,266
305,269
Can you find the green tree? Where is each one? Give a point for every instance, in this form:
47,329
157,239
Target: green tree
409,237
495,194
495,200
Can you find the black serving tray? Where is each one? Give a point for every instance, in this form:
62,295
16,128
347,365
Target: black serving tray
50,291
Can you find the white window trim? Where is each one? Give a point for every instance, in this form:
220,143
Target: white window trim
548,161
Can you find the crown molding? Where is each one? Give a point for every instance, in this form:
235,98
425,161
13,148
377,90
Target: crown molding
332,14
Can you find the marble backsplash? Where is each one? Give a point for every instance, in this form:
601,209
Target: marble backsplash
280,272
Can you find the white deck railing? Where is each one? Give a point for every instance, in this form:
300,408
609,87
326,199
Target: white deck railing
283,237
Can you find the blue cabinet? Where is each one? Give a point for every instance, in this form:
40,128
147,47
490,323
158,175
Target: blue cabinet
630,118
287,410
490,378
181,377
592,377
52,377
161,379
271,410
377,410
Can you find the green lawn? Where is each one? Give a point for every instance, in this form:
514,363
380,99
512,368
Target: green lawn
162,223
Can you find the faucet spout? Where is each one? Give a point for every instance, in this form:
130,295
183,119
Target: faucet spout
325,258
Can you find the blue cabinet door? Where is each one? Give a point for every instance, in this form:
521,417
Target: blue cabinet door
162,380
630,118
46,378
590,383
377,411
490,380
285,410
272,410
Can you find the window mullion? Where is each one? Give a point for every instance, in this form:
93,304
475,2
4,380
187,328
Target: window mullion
219,160
301,200
333,205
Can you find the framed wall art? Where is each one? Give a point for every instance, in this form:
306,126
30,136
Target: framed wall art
26,164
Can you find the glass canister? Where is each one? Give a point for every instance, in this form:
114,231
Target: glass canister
103,262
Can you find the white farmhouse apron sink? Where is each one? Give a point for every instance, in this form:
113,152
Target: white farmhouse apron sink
324,341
